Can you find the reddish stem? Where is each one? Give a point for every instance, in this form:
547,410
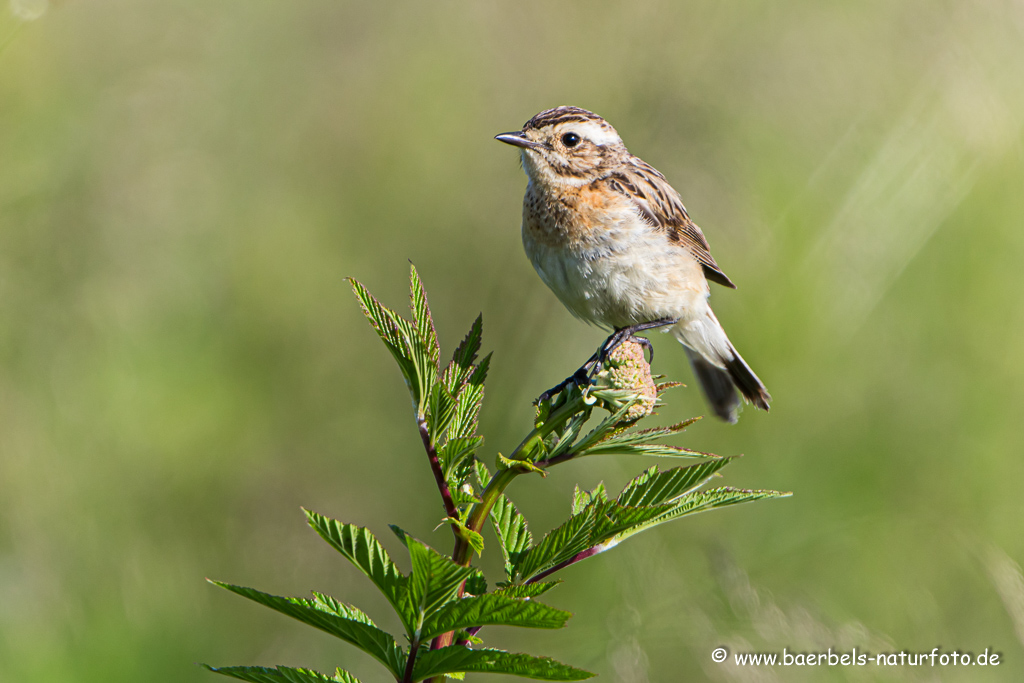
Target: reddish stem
435,467
407,678
582,555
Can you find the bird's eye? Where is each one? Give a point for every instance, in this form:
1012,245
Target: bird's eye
570,139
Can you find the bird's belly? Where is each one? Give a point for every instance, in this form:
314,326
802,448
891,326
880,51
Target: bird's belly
627,275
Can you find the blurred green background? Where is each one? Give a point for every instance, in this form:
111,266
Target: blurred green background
184,186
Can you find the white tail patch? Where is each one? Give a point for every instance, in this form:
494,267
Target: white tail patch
706,337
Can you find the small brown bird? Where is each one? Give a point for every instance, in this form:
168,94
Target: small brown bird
611,238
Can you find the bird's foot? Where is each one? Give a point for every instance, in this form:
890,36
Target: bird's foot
581,378
624,334
584,376
646,343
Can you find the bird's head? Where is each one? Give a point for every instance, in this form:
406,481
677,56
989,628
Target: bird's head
567,146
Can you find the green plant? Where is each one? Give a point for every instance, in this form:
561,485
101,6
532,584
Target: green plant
444,601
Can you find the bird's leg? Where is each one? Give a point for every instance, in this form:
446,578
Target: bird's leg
580,378
623,334
584,374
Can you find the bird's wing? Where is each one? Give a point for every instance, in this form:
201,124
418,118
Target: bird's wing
661,206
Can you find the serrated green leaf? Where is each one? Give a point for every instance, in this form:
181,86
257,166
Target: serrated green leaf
512,531
383,321
435,579
634,489
441,411
424,361
459,485
421,316
483,474
563,442
469,400
521,465
455,451
492,609
466,352
473,538
718,498
560,545
582,499
370,639
639,442
698,501
462,494
479,375
654,487
648,449
281,674
363,549
616,522
476,584
527,590
457,658
459,370
400,533
326,603
676,428
375,313
604,428
413,344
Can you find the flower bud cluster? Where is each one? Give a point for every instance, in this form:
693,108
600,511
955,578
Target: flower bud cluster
625,377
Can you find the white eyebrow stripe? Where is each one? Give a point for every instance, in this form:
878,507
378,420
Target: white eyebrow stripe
599,134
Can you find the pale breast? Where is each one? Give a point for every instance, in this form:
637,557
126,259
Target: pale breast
606,264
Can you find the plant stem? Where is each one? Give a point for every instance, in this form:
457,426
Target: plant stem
478,515
558,459
495,487
582,555
435,467
413,647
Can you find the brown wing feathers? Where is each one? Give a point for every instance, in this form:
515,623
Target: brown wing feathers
660,204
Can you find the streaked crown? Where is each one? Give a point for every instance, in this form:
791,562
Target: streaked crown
567,145
565,114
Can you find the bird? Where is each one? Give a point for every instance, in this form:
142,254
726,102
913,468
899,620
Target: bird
611,238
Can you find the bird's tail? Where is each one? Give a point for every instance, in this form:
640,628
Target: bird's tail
719,369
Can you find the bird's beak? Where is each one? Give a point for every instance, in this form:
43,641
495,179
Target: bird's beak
518,139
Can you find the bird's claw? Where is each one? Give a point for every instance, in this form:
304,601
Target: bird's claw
646,343
581,378
584,376
624,334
